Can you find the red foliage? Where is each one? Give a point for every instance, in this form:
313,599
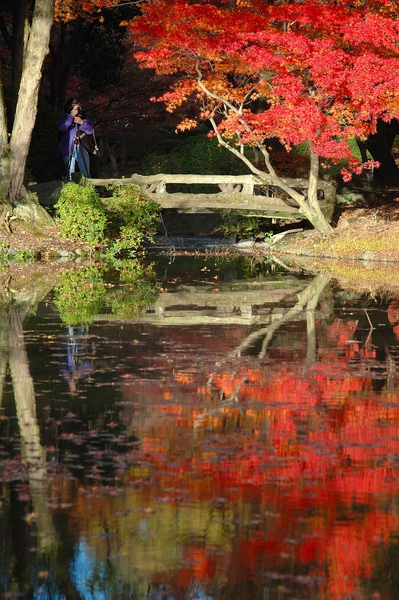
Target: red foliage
68,10
318,71
307,445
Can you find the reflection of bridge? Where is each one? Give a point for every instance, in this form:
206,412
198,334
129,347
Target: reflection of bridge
235,304
243,194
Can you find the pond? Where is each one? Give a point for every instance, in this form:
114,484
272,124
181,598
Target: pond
198,427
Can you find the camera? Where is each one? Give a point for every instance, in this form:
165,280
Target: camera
81,113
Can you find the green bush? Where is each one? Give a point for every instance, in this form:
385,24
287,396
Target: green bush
80,213
123,221
132,218
197,154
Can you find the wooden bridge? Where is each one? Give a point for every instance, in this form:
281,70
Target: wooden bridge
236,194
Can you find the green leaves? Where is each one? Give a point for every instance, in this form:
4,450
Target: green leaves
132,218
81,214
123,222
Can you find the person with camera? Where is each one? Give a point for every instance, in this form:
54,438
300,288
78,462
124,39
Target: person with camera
71,125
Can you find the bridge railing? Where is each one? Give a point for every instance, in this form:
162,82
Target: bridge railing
246,194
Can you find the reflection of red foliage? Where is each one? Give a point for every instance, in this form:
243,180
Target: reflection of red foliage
306,443
350,461
201,567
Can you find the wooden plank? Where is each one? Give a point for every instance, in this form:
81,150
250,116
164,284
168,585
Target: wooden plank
223,201
245,204
181,178
184,178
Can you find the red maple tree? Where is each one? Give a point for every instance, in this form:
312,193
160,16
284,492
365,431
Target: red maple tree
319,72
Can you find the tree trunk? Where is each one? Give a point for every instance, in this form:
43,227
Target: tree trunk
20,32
5,206
380,147
315,215
308,204
14,200
3,128
35,52
72,39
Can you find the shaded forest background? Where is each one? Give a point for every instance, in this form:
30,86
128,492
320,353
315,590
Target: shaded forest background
93,60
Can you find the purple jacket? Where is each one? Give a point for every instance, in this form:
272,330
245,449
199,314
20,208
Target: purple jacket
67,128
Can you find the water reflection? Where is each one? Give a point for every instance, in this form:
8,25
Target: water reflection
79,362
27,477
197,430
306,304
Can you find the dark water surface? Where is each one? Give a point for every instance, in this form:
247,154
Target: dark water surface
204,428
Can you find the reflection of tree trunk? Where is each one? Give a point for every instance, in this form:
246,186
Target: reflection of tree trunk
4,346
308,300
25,400
320,283
16,295
32,450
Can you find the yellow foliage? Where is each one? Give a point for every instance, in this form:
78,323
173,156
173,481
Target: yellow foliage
186,125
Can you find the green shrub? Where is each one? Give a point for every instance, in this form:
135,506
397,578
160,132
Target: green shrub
123,221
80,213
153,163
197,154
132,218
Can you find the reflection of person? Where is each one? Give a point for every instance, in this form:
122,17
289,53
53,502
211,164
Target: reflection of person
72,152
79,364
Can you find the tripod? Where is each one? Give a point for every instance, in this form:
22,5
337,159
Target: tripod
77,155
